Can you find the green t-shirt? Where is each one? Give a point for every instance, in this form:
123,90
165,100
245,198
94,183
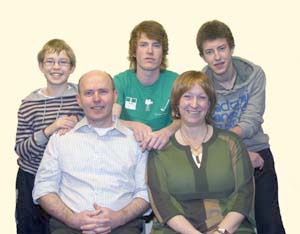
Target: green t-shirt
149,104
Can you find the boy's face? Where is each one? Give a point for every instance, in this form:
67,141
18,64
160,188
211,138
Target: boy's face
56,68
218,55
149,53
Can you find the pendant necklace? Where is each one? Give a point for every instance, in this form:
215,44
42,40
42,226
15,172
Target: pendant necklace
195,150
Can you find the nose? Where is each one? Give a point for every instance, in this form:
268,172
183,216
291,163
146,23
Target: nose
56,64
194,102
150,49
96,97
217,55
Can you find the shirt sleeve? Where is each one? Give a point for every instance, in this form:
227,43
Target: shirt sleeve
140,174
252,117
49,174
163,203
120,87
30,144
242,199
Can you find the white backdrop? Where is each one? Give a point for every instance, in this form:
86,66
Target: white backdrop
266,32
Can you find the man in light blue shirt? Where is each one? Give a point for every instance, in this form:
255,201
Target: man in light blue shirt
92,179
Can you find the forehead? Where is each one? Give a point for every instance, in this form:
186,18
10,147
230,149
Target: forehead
215,43
54,54
196,88
96,82
144,37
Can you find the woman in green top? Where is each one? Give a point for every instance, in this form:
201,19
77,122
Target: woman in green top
202,181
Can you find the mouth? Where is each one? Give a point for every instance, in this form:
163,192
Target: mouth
219,64
97,108
150,59
56,74
193,112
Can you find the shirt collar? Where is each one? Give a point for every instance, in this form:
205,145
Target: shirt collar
118,127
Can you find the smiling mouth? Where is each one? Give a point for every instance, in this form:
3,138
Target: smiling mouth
97,107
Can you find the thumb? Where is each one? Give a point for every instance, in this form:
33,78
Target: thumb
97,207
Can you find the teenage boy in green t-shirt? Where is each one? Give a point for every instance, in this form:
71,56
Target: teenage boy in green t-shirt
144,90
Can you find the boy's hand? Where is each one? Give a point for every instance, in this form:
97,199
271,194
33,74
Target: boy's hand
61,125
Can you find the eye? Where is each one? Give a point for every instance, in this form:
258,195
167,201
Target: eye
202,97
102,91
222,48
209,52
143,44
89,93
187,96
157,45
63,62
49,62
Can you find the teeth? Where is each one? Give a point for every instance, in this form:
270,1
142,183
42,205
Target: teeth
194,112
97,107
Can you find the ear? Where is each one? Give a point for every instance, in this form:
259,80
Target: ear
78,100
232,50
41,67
115,95
72,69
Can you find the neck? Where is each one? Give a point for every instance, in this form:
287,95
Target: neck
147,77
194,132
105,123
55,90
228,78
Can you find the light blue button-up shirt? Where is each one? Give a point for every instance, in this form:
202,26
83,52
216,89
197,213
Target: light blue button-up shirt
87,166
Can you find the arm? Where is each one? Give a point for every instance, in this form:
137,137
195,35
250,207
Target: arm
55,207
256,160
141,131
231,222
158,139
181,225
135,208
252,116
163,203
46,187
118,218
240,203
30,139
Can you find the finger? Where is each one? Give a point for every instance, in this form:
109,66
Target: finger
138,136
151,142
144,144
97,207
88,227
103,229
159,144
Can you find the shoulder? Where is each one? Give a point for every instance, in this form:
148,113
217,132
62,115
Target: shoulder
168,74
248,69
167,77
226,135
125,74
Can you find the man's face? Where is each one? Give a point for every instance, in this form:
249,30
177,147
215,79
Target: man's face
56,67
96,98
149,54
218,55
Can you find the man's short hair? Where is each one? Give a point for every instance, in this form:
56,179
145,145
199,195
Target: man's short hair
154,31
56,46
213,30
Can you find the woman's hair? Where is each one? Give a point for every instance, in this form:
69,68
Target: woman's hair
185,82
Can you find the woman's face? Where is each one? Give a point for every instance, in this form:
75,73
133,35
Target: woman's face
193,106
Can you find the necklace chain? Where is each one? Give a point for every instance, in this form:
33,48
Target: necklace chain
194,149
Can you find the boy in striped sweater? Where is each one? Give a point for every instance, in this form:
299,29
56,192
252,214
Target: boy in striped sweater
43,112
